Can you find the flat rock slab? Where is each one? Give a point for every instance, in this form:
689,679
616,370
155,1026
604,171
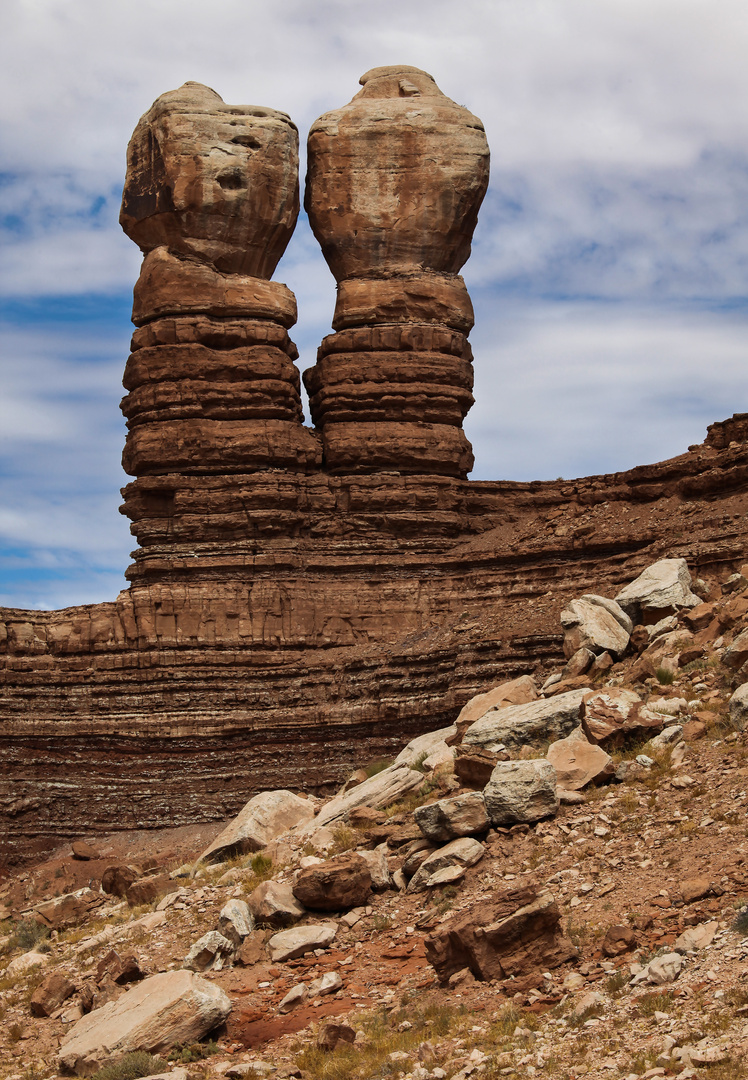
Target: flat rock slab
383,788
447,864
531,725
521,792
274,903
664,587
263,818
579,762
589,625
169,1009
289,944
446,819
514,692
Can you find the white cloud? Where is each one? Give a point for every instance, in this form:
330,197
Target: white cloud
577,389
609,263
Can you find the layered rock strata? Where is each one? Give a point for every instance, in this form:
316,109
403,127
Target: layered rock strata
395,180
286,620
211,197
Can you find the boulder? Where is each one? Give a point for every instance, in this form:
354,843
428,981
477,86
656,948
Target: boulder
663,969
68,910
331,1034
532,725
618,940
696,937
474,765
382,789
341,882
379,869
515,692
120,969
50,994
521,792
165,1010
579,762
589,625
662,589
695,889
736,654
209,953
578,663
297,995
147,889
447,864
84,851
431,748
235,921
516,933
275,904
463,815
264,817
615,714
329,983
737,707
289,944
252,949
414,854
118,878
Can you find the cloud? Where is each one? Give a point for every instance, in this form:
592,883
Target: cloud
609,267
574,389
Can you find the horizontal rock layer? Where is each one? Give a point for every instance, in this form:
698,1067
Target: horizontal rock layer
323,613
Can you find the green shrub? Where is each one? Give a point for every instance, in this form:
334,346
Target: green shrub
665,676
131,1067
29,933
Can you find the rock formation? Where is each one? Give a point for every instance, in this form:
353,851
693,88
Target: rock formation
286,609
395,180
211,197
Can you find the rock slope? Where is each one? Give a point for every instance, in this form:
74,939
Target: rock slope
607,938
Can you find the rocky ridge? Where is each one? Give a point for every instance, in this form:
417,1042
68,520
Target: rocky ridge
407,923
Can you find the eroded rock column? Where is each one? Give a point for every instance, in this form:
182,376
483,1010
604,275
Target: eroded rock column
395,180
211,197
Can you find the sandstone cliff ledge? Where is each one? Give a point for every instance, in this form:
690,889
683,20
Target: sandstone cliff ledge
266,660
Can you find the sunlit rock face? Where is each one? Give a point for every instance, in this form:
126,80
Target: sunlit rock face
214,182
212,196
394,184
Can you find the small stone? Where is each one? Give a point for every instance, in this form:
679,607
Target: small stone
295,996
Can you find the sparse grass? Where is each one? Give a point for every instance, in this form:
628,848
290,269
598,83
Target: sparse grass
28,933
649,1004
614,984
664,676
382,1038
731,1069
376,767
131,1067
186,1055
418,763
740,925
444,900
344,839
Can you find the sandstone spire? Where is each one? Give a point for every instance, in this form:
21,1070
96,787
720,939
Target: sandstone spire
394,184
211,197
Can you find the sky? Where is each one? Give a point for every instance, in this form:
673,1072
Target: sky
610,263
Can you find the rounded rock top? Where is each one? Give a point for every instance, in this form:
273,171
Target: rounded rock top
393,69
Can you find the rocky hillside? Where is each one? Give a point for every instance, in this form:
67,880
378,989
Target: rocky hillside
553,885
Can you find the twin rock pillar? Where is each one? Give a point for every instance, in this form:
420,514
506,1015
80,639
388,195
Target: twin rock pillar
211,196
395,180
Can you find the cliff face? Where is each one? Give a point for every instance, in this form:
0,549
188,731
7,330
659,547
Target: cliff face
297,593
